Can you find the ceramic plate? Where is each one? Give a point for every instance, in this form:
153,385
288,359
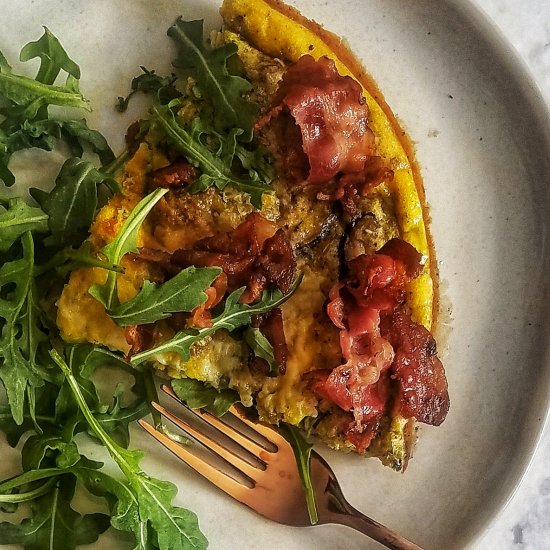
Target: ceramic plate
482,138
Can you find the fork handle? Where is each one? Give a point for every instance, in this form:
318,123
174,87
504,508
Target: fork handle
358,521
343,513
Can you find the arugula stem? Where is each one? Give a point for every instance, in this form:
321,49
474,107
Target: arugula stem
88,415
54,516
127,234
29,477
53,95
151,395
302,452
29,495
114,166
60,258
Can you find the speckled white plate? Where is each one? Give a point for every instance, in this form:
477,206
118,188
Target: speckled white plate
482,135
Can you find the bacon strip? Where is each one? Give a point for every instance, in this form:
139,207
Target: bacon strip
255,255
200,316
177,174
417,369
332,117
380,343
139,338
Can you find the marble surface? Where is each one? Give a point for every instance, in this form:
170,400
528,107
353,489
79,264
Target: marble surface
525,523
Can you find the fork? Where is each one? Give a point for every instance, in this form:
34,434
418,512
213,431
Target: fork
271,485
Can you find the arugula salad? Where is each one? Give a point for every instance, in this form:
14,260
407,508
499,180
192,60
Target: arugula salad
53,399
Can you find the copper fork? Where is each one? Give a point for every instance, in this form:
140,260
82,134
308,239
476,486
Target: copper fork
271,485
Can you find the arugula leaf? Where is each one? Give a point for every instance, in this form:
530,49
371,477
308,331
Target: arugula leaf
215,166
123,506
257,161
16,218
184,292
124,242
19,336
68,259
53,58
13,431
113,417
175,528
84,136
9,501
118,417
261,347
150,82
54,524
199,395
45,133
302,451
223,90
72,203
43,417
233,316
28,96
39,449
25,107
25,486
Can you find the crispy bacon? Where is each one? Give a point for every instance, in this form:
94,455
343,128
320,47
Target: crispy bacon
327,115
378,280
359,434
353,386
417,369
272,327
348,188
177,174
200,316
332,115
374,354
255,254
139,338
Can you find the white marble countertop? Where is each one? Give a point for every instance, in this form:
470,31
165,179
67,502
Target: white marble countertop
525,523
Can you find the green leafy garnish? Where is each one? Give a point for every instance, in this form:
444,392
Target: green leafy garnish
53,523
27,120
233,316
73,202
175,528
184,292
199,395
302,451
53,58
38,246
261,347
149,82
20,337
221,89
69,259
124,242
215,166
16,218
218,139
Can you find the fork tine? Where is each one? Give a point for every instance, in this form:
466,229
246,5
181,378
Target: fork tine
245,442
219,478
270,433
236,461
